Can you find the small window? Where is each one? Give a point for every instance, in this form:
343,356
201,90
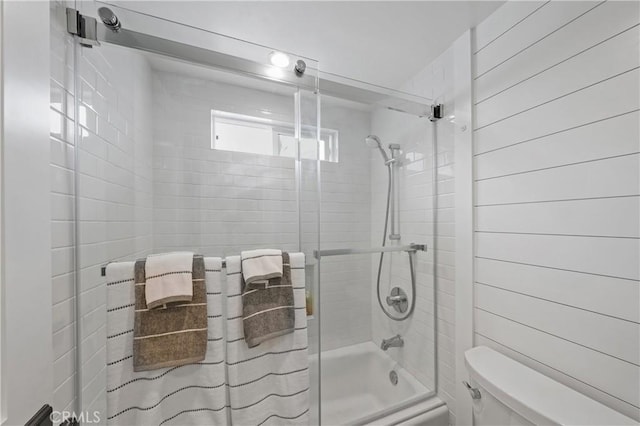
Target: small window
257,135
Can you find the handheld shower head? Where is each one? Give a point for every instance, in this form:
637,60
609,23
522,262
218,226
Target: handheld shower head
374,142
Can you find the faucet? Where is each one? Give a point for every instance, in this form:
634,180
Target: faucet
394,342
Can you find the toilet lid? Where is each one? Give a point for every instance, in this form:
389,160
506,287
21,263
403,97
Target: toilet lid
534,396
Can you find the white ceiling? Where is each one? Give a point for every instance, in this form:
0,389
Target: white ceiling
380,42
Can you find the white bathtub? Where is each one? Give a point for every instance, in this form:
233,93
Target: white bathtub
356,389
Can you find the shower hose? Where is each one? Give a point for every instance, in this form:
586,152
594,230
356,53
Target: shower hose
411,263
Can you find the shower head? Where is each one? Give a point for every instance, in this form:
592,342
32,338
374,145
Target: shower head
374,142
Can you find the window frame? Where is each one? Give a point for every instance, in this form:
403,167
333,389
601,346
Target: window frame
328,137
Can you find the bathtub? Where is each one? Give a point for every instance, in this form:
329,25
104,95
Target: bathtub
356,389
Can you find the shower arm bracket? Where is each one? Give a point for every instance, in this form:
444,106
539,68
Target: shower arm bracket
83,27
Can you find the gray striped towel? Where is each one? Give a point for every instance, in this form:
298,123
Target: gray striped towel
269,383
192,394
176,335
268,312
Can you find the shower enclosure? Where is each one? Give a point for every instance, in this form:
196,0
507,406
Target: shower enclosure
188,140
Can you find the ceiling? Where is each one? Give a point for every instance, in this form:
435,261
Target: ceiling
379,42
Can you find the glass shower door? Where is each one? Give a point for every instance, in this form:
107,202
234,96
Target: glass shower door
174,153
377,200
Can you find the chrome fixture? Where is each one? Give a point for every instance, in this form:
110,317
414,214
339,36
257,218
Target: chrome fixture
411,248
300,67
398,300
83,27
475,392
374,142
125,37
392,163
437,112
109,19
393,168
393,377
393,342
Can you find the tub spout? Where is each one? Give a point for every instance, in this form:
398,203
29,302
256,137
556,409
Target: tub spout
394,342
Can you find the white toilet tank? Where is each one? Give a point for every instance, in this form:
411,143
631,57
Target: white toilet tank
514,394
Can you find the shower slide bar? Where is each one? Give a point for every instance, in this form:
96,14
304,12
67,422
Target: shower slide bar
411,248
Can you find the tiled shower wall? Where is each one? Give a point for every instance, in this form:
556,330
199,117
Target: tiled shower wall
211,201
221,202
346,223
114,203
419,209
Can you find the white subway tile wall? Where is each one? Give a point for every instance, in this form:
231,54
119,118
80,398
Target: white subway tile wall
557,183
345,222
211,201
220,202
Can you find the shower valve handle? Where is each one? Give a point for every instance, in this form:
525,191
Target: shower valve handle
396,300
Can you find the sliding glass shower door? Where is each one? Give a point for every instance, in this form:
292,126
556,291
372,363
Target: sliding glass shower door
184,141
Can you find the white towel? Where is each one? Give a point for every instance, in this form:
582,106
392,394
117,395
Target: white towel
268,384
168,278
260,265
191,394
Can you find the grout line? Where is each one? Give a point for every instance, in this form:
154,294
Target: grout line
555,369
558,98
556,64
558,269
558,166
557,132
558,337
513,26
558,303
539,40
72,349
556,235
558,201
52,136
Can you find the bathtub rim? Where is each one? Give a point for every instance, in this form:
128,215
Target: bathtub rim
400,407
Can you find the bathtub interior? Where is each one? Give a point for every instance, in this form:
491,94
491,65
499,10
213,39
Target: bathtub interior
355,385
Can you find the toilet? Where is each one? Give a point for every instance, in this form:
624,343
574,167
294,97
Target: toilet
506,392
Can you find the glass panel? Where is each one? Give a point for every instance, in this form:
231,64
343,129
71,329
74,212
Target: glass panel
358,376
172,155
152,179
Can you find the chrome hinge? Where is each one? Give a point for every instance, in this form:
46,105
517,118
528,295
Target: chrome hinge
84,27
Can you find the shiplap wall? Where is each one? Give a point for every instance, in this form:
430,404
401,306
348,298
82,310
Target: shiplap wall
556,158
